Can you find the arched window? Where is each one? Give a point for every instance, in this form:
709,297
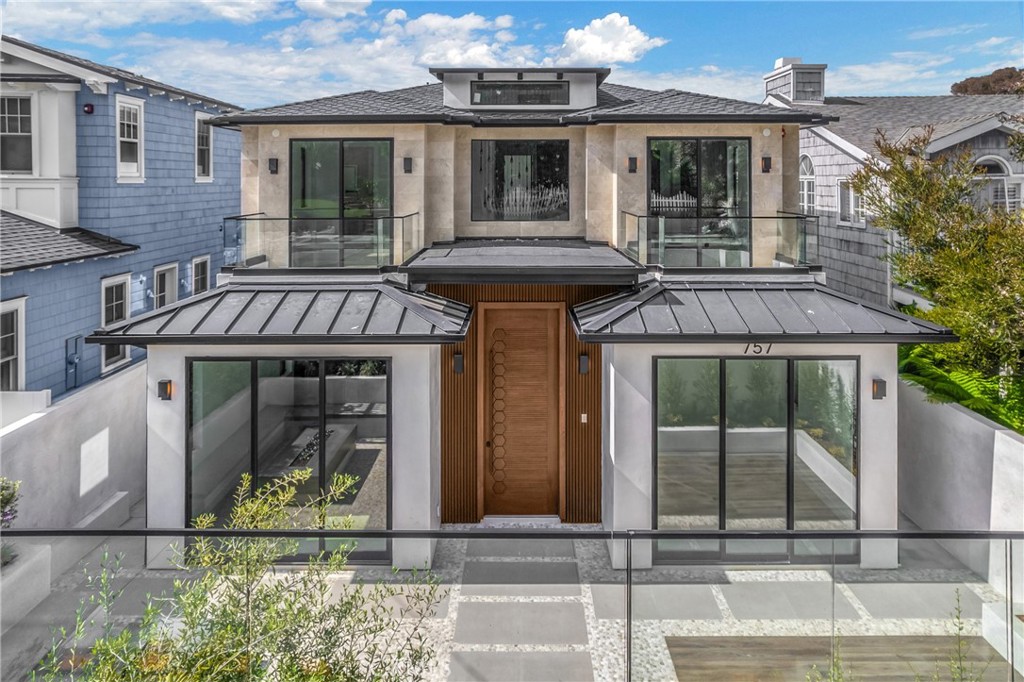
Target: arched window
807,202
995,185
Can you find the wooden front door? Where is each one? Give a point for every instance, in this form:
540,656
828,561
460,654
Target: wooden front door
522,415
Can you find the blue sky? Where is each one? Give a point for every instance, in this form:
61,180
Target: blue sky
261,52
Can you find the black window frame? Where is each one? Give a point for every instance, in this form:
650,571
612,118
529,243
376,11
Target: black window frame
7,117
722,556
474,181
699,198
562,87
356,557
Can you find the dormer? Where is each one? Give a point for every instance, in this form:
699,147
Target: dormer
526,89
796,82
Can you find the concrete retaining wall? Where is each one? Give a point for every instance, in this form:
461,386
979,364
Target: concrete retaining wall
960,471
80,453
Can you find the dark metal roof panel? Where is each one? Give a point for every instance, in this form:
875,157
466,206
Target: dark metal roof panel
740,310
263,305
724,317
289,314
299,312
754,312
689,312
356,312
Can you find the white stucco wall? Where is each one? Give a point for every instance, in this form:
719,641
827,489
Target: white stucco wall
629,449
415,434
960,471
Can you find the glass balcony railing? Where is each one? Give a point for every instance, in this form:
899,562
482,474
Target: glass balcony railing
261,241
511,604
720,242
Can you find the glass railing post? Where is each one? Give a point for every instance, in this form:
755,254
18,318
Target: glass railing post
629,606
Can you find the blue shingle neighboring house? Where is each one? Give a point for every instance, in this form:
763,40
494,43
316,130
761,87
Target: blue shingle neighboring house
113,187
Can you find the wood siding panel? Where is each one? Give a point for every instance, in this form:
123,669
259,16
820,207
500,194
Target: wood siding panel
459,405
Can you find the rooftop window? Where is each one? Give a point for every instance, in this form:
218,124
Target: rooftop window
519,93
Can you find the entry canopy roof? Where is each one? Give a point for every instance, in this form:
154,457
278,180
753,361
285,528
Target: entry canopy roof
774,308
298,311
555,261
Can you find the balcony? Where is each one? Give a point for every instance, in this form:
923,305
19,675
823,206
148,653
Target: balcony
530,604
720,242
256,240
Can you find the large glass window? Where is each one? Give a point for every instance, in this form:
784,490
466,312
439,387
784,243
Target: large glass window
755,444
700,201
519,93
328,416
341,202
16,134
520,180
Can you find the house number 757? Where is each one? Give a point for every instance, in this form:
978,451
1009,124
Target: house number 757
757,349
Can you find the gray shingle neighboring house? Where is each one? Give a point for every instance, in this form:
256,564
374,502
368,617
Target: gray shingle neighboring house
852,250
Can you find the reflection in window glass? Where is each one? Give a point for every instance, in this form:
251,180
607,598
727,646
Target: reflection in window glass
356,445
315,179
219,434
688,450
825,467
520,179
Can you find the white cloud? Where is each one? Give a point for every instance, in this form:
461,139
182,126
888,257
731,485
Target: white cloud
944,31
335,9
84,22
609,40
905,73
322,32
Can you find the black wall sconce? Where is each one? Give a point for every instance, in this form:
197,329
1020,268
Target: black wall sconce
164,389
877,389
766,164
631,164
584,364
407,164
458,363
272,165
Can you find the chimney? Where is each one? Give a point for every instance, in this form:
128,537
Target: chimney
796,82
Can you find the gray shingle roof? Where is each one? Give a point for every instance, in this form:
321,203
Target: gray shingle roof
299,311
771,309
121,74
425,103
861,117
26,244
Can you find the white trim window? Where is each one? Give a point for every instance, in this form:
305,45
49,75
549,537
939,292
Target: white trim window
807,195
165,285
16,135
997,186
851,210
115,307
200,274
12,345
204,147
131,153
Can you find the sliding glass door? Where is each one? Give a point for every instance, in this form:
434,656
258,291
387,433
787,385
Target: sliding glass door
271,418
755,444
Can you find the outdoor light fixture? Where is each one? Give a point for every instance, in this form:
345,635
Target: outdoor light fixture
164,389
877,389
766,164
272,164
458,364
87,108
632,164
584,363
407,164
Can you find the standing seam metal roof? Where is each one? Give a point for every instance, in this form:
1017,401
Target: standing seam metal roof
266,313
775,311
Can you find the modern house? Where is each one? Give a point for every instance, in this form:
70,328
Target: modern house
851,250
113,188
536,295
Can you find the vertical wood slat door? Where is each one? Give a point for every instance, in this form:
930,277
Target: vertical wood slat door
522,430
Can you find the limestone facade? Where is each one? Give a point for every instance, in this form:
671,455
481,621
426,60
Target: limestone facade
601,187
